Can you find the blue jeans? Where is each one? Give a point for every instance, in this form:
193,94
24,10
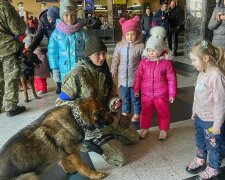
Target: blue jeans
208,143
128,98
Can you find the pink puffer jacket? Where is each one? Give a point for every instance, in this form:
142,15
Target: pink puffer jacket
126,59
156,80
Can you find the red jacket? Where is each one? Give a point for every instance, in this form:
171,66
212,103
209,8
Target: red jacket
156,79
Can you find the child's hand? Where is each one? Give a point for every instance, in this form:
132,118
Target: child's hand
171,100
216,129
193,116
136,94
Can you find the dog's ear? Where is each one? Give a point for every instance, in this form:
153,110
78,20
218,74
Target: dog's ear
84,110
97,115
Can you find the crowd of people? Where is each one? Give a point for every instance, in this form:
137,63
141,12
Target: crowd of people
144,68
170,17
96,22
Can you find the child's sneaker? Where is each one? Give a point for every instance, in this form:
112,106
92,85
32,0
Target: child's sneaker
135,118
143,133
196,166
208,173
135,122
41,92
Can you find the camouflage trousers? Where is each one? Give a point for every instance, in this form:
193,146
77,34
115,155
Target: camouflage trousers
99,136
10,72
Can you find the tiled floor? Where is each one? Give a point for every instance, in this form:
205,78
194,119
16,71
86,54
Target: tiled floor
149,159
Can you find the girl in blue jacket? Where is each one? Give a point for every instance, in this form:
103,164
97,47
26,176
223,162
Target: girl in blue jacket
67,42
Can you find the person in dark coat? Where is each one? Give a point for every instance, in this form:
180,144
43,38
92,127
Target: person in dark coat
46,26
161,17
175,21
47,23
217,24
96,23
146,23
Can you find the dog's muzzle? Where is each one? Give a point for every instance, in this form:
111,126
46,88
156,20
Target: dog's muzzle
103,119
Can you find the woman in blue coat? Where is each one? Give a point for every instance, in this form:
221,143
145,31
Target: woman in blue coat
67,42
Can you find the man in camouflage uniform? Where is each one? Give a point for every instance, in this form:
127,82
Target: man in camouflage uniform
11,25
92,79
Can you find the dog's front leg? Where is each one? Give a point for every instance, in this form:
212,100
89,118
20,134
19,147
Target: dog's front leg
24,85
31,79
73,163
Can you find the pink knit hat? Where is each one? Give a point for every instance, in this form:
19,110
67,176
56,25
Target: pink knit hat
130,25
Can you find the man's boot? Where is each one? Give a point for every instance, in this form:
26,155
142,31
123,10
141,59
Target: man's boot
17,110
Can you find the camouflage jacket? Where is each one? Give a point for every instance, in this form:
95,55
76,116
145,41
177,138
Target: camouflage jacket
11,25
89,81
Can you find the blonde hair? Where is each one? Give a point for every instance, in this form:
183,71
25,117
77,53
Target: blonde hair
216,54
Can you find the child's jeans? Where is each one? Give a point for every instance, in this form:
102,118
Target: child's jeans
208,143
128,98
40,84
163,112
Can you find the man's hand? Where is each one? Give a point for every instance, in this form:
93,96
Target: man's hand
117,104
113,76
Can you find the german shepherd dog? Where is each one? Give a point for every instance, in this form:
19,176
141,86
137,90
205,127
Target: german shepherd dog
27,74
54,137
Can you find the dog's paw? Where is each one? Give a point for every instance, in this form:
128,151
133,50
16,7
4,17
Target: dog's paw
26,100
66,170
98,175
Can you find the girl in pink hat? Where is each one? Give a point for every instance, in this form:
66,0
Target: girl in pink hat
126,58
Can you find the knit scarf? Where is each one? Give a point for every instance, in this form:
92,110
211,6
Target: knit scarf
68,29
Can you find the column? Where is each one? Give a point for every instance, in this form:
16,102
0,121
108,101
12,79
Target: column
110,13
198,13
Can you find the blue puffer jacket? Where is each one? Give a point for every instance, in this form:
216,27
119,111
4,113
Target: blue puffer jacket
64,50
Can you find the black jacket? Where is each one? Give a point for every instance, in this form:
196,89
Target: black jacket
175,17
44,29
146,22
158,18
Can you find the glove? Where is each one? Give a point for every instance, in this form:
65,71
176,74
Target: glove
55,75
31,59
